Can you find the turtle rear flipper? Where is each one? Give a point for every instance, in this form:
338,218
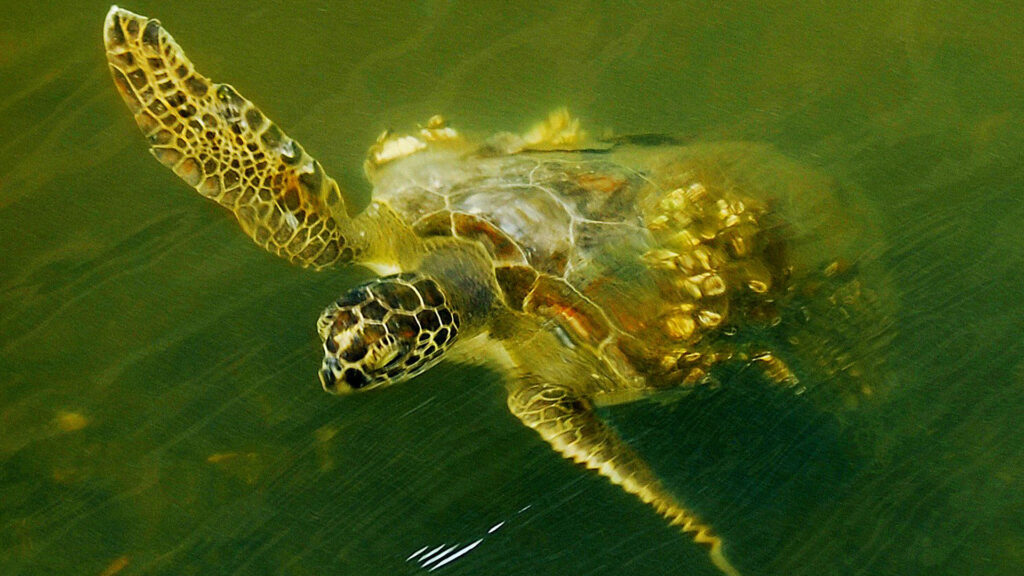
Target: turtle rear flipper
567,421
837,334
223,146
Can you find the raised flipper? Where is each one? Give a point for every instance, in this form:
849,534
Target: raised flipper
568,422
223,146
560,131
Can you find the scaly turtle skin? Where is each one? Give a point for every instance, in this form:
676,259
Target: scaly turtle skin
590,272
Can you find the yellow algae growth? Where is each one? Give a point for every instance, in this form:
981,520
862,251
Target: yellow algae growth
68,421
245,466
115,567
323,438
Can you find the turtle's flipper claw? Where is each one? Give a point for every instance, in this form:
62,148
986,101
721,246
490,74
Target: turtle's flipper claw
223,146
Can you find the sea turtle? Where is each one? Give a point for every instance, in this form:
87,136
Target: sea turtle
590,271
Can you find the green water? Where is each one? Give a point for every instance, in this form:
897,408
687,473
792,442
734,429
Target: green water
159,409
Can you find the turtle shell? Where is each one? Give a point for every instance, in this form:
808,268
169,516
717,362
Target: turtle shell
635,256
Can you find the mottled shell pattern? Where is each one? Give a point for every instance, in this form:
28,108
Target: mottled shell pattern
637,270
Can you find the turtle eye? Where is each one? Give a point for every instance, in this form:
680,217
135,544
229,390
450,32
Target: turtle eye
385,331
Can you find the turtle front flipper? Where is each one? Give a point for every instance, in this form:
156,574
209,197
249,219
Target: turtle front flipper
568,422
223,146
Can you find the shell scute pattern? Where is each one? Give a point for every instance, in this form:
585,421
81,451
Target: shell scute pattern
518,201
593,190
515,282
497,243
554,297
529,215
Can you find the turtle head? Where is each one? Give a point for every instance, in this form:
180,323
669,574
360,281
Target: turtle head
385,331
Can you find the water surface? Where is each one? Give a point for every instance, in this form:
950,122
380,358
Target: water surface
159,410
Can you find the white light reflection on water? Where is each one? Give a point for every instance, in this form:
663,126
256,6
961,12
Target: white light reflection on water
433,558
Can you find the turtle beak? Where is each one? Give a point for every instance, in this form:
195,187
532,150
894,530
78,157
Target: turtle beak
332,379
